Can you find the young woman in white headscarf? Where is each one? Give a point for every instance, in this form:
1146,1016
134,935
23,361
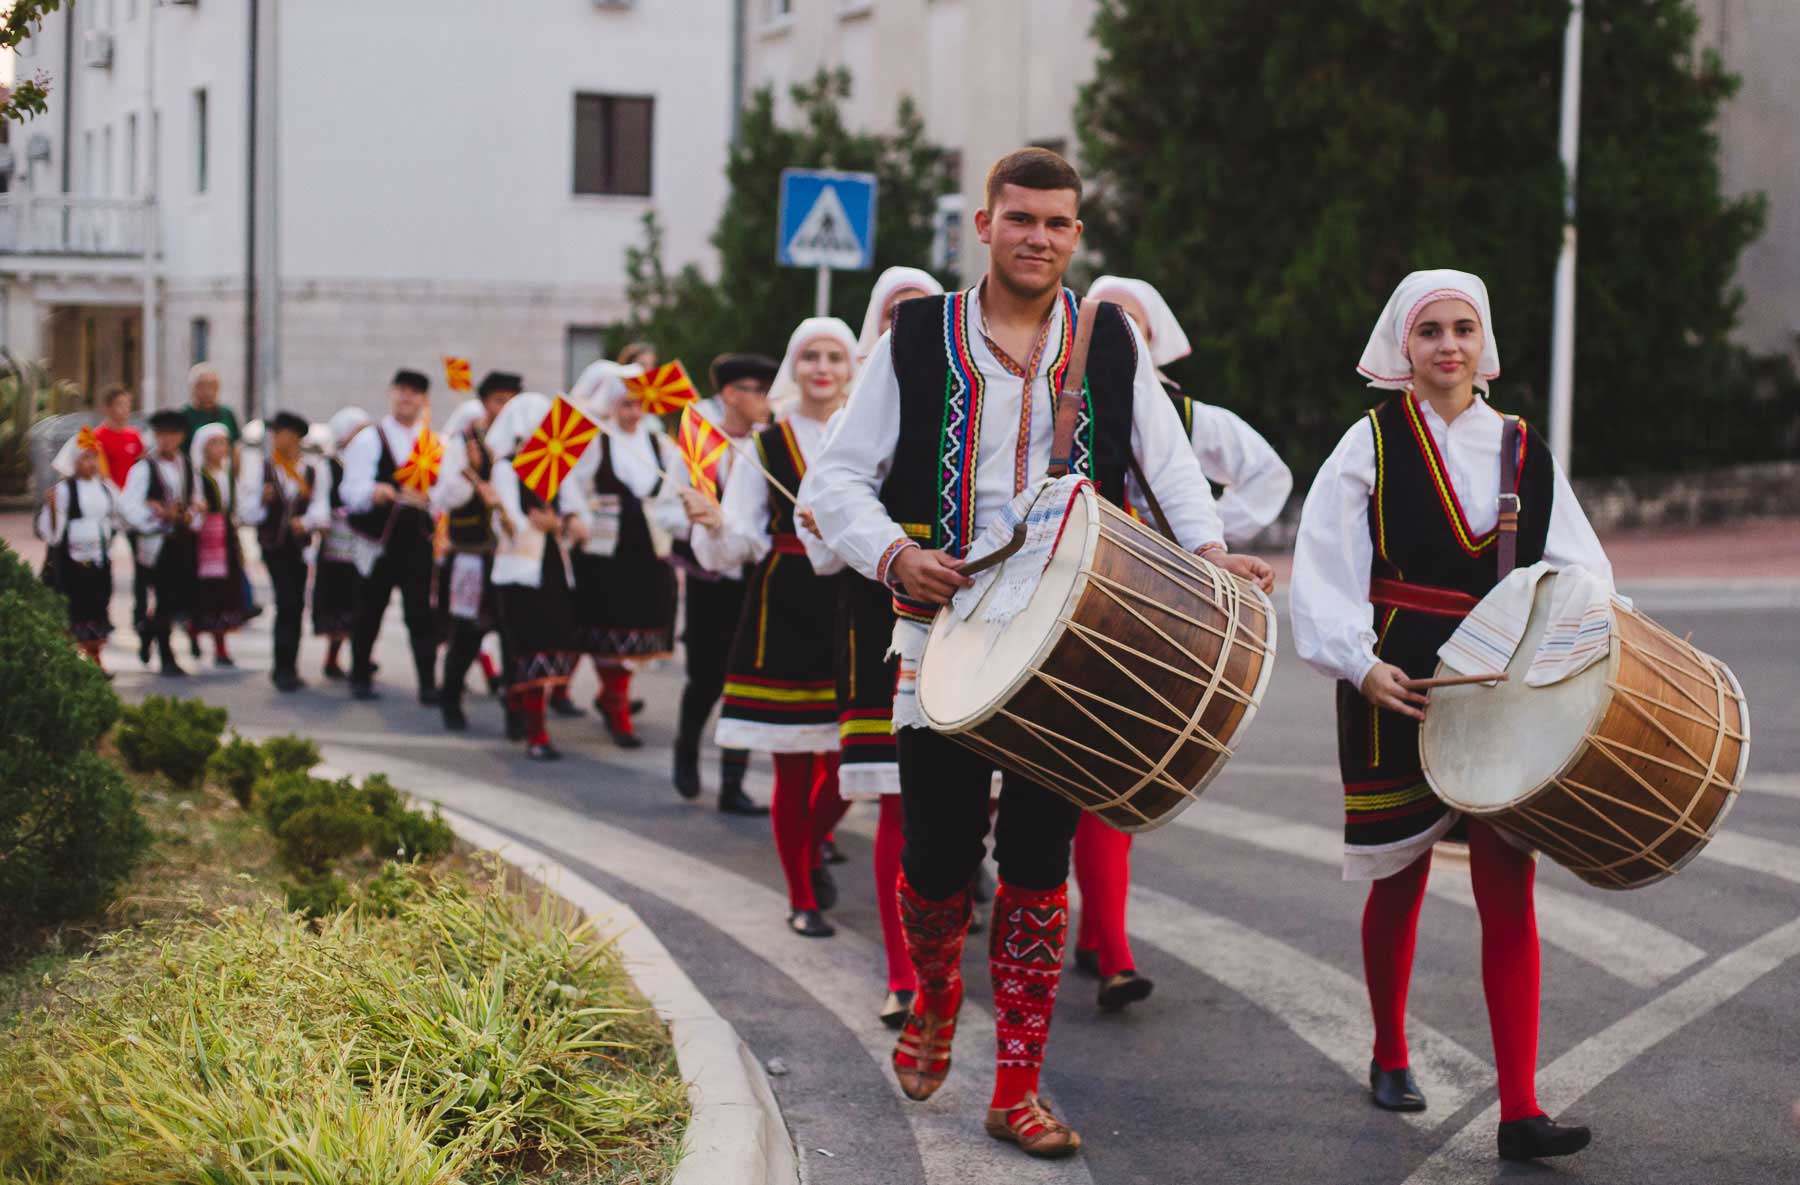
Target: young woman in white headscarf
893,287
336,573
1398,542
218,604
781,691
77,521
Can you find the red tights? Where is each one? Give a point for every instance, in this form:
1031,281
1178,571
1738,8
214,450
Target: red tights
888,841
528,702
805,805
1503,878
1103,873
615,697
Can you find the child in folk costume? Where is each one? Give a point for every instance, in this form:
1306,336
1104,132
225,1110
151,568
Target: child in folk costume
343,554
464,495
218,603
158,504
1257,484
121,447
77,522
533,587
284,495
780,695
1400,536
625,595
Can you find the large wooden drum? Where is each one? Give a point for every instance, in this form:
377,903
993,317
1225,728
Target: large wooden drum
1620,773
1124,682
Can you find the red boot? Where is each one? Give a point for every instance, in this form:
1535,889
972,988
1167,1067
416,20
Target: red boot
934,938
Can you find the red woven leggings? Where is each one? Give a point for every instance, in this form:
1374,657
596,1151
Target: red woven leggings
1503,879
888,841
1103,873
805,805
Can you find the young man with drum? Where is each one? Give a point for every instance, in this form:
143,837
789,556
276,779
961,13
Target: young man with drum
1403,531
952,419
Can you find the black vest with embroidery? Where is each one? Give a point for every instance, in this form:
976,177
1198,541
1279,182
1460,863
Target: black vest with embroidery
470,527
156,491
780,455
408,522
930,488
276,531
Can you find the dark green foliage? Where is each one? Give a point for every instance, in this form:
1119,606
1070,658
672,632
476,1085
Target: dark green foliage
320,898
319,822
282,795
173,737
1276,168
413,835
388,890
315,837
290,754
755,304
237,767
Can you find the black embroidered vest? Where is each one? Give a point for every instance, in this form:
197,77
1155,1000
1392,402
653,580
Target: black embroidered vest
779,452
408,521
470,527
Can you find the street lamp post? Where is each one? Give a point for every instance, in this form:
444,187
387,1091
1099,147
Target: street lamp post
1562,334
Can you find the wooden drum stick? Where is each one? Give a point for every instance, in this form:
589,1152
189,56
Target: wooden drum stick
1453,681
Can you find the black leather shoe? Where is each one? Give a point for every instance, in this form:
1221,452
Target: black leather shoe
1087,962
171,669
687,773
810,923
1539,1137
363,690
223,662
895,1007
287,681
334,671
543,752
733,801
145,641
562,705
824,887
625,740
1127,987
431,697
634,706
828,852
455,720
193,645
1395,1090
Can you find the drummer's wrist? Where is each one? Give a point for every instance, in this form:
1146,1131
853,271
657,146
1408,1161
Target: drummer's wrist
1208,550
1367,663
884,567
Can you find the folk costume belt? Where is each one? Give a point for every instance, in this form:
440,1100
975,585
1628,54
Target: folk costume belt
1421,598
787,545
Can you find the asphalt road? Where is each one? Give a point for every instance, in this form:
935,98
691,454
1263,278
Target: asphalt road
1671,1018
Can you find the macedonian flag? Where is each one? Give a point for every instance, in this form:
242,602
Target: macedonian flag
546,458
456,374
88,439
420,471
703,447
664,389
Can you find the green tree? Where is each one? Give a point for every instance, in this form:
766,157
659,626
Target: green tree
26,97
1276,168
755,304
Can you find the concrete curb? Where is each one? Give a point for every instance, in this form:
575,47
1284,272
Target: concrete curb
736,1134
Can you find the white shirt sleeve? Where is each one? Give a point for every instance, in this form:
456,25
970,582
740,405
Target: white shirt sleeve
744,538
133,506
1167,458
636,462
1570,538
360,458
665,509
1235,455
824,561
1334,623
848,472
250,508
454,485
41,525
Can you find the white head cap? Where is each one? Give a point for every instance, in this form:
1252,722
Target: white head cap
197,446
784,392
1385,361
345,423
516,422
1168,343
894,279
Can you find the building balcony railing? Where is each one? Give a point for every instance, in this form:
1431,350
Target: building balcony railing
63,224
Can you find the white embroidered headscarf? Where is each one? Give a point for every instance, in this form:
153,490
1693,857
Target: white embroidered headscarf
345,423
197,446
1168,343
784,392
516,422
600,387
894,279
1385,361
466,413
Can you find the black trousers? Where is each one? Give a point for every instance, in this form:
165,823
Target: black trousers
287,573
407,566
141,579
713,608
460,650
944,790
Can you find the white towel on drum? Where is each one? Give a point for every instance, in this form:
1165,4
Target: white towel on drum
1579,632
908,645
1042,507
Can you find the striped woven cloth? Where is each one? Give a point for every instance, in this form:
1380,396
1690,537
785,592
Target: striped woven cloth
1578,635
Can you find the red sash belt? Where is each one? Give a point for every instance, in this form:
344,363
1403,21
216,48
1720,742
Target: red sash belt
787,545
1421,598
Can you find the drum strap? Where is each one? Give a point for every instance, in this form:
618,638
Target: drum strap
1506,547
1068,400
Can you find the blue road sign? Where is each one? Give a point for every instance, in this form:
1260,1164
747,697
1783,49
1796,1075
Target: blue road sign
827,219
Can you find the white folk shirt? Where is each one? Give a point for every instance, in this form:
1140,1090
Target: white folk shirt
252,511
363,454
98,510
851,469
1257,483
745,539
519,555
134,504
666,509
1334,623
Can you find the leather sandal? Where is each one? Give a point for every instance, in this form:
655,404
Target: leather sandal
1033,1128
926,1040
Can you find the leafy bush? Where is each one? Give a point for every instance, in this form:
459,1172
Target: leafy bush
237,767
290,754
319,822
320,898
171,736
316,837
388,890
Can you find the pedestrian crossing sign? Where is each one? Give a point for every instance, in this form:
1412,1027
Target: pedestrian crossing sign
827,219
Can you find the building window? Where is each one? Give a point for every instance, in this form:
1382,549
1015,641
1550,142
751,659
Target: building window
200,141
780,10
612,144
585,345
199,341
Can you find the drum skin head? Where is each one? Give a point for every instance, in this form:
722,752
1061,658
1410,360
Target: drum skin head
977,665
1485,749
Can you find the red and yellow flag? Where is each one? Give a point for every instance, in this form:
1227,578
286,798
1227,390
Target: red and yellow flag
88,439
703,447
456,374
546,458
664,389
420,471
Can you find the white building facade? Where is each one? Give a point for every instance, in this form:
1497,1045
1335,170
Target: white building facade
425,178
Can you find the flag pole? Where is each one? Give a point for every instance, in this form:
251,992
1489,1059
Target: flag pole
735,443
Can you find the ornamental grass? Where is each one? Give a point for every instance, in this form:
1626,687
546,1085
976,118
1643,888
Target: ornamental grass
475,1035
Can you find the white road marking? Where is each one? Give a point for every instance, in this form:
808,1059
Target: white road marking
1754,854
1641,954
1786,785
1469,1155
842,974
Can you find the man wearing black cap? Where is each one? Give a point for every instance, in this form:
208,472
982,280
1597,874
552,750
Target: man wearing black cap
714,602
400,524
157,503
285,496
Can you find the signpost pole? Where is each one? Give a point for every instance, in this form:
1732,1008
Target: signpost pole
822,294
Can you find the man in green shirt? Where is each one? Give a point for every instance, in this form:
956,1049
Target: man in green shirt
203,406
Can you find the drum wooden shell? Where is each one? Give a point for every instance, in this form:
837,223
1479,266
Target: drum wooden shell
1153,667
1654,774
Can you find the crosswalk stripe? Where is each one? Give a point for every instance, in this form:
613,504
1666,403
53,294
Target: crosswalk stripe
1755,854
842,974
1624,946
1786,785
1468,1156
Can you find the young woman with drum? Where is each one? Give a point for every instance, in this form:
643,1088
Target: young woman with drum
1405,528
953,418
780,693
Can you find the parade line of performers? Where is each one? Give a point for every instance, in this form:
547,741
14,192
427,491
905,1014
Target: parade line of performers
815,517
